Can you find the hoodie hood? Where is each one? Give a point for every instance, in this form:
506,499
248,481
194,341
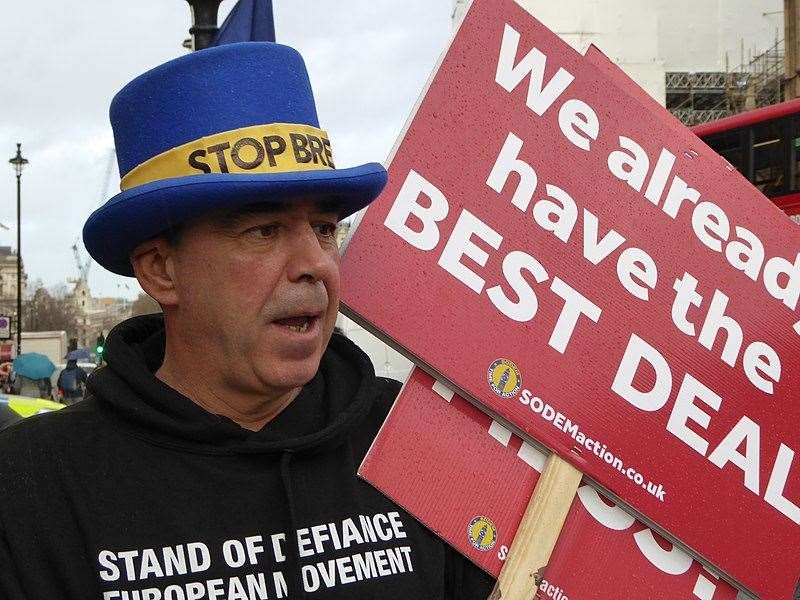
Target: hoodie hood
127,392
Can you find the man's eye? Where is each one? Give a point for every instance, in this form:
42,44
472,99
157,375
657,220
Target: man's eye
264,230
327,230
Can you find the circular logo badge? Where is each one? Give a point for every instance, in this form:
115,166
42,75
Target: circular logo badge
504,378
482,533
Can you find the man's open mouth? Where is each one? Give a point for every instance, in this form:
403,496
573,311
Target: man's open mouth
300,323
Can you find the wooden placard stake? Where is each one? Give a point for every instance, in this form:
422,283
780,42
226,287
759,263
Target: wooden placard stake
538,531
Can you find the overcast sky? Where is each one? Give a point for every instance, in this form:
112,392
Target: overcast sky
63,62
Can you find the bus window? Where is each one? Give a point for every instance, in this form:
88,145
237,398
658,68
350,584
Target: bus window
795,154
729,146
769,158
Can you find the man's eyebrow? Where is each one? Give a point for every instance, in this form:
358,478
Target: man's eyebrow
231,218
329,205
248,210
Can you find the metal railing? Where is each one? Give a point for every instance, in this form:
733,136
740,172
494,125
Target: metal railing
691,116
700,97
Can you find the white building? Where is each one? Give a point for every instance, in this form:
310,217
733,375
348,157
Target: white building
8,283
96,316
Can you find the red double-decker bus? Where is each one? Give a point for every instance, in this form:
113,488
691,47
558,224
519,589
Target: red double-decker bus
764,145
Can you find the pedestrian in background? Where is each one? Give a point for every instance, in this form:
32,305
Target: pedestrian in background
30,388
71,383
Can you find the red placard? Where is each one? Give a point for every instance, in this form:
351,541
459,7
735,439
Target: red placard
630,301
602,552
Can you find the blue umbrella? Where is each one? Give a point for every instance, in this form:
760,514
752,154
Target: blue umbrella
79,354
33,365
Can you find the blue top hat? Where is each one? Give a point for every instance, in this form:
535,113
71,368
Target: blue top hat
219,128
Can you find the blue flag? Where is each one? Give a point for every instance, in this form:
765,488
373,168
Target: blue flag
248,21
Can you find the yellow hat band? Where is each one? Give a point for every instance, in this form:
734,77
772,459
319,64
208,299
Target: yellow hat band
273,148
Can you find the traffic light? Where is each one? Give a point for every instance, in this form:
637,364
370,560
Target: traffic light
100,347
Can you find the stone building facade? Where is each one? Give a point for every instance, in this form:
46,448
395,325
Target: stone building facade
96,316
8,284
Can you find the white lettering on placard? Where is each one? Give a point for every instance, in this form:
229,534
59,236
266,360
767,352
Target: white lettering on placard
661,173
578,123
460,244
508,162
777,484
746,254
557,212
761,364
407,204
594,249
575,305
715,320
749,432
760,358
509,76
673,561
630,164
637,272
611,516
685,410
524,309
779,269
711,225
656,397
679,192
685,296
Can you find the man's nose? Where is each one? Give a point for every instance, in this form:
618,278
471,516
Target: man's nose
309,259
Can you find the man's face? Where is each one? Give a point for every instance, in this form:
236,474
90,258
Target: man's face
258,294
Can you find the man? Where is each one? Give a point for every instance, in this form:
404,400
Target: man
215,454
71,382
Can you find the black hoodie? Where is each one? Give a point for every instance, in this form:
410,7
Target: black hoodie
138,493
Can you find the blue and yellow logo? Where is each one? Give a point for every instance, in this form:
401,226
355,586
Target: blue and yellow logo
482,533
504,378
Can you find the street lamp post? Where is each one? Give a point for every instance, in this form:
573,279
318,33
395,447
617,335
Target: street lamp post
204,22
18,162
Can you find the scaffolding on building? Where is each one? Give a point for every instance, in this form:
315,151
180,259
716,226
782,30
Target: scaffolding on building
696,98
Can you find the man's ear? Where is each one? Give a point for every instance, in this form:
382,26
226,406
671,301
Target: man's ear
154,266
